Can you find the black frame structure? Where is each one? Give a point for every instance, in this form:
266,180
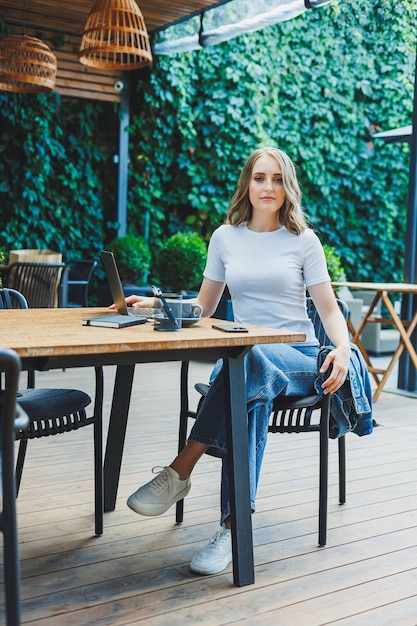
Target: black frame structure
407,375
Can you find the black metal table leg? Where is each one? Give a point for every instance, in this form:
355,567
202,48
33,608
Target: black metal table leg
116,433
237,443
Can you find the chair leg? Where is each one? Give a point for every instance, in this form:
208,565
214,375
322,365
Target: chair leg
11,561
98,478
182,433
98,453
20,462
324,469
11,564
342,470
31,379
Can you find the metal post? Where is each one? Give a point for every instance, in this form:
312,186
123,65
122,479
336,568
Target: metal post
407,376
123,156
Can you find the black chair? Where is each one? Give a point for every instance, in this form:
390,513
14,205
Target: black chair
40,283
11,417
79,276
291,414
55,411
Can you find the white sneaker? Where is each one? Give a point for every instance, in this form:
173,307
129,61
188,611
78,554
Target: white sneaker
216,556
160,493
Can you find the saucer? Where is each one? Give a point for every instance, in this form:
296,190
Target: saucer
189,321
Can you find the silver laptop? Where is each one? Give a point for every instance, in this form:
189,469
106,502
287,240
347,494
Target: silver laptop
116,289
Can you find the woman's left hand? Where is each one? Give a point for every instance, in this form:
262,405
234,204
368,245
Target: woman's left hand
339,360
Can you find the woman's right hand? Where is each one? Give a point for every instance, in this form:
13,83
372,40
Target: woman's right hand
140,302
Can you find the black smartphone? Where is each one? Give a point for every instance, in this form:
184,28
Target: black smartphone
230,328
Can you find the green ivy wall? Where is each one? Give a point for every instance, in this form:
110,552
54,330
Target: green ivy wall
55,174
318,87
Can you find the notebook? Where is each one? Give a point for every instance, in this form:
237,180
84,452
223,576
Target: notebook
113,321
127,316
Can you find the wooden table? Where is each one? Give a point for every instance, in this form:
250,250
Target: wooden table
404,327
55,338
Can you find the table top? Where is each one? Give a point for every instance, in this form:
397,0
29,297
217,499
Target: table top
43,333
392,287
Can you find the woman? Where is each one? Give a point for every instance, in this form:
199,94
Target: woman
268,257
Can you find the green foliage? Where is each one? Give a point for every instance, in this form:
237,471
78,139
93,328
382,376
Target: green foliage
133,258
318,86
53,173
334,264
2,259
181,260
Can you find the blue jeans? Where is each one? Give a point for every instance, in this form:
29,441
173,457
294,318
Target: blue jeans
270,370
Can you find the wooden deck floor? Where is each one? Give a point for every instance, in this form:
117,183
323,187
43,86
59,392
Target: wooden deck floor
137,572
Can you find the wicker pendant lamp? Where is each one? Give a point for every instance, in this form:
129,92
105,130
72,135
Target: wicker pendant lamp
27,65
115,36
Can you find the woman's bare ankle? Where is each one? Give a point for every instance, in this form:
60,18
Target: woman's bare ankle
182,473
184,463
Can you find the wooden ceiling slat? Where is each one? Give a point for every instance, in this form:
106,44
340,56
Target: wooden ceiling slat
68,75
71,15
84,94
48,18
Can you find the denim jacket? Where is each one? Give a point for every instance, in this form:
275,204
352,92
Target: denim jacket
351,405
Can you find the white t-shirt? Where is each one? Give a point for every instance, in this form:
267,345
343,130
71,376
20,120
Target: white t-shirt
267,274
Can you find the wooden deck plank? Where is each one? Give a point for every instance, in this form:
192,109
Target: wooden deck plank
138,573
134,558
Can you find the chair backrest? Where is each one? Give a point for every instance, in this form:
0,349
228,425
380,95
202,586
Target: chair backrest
79,276
317,323
38,282
10,370
12,299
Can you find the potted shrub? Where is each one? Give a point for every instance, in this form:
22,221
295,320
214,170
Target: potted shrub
334,264
133,258
337,274
180,262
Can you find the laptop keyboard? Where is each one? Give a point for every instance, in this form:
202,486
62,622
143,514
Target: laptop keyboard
139,312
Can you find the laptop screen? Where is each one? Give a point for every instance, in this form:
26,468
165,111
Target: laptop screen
113,278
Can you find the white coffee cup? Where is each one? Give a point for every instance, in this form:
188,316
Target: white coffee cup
191,309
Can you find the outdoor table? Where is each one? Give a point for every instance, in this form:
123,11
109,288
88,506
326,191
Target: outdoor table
404,327
56,339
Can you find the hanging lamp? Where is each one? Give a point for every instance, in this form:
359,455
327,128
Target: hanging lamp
27,65
115,36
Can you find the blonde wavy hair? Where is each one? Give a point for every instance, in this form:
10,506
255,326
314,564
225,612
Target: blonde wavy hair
290,214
